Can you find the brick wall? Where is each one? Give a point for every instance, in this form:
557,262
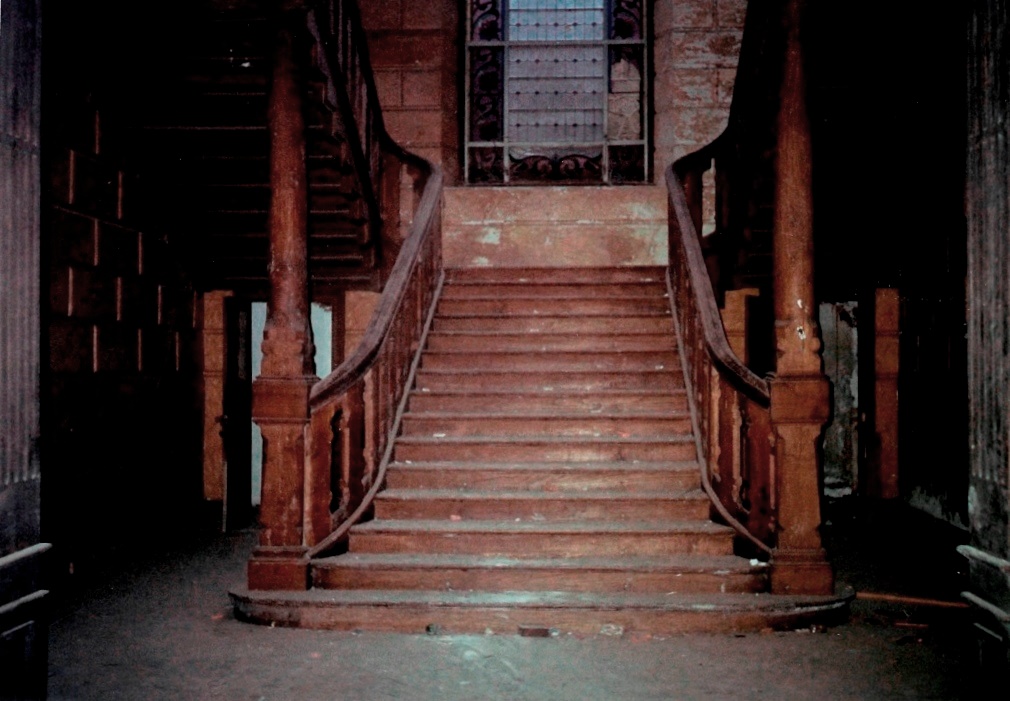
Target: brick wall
120,407
414,51
697,44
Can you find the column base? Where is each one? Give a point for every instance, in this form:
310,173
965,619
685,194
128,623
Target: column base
801,572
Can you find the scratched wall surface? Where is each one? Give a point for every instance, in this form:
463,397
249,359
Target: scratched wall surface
554,226
23,602
988,210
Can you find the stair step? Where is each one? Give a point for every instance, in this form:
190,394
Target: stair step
540,506
543,423
547,381
544,289
680,574
507,400
603,324
548,477
526,306
539,276
463,342
544,449
553,360
538,539
566,612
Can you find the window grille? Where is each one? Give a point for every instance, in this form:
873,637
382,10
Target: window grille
556,91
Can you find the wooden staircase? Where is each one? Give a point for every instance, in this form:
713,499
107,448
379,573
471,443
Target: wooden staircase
205,133
545,477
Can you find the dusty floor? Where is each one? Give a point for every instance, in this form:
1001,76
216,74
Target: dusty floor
161,628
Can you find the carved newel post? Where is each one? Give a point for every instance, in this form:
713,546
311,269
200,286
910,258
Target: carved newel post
799,390
281,392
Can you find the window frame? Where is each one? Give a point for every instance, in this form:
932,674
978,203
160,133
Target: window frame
486,31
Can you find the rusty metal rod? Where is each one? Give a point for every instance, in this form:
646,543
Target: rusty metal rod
912,600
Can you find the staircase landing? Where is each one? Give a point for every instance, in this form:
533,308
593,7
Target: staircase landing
545,478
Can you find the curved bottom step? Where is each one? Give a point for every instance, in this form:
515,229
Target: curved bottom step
507,612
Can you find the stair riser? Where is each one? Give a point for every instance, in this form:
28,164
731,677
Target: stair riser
505,620
544,426
539,579
554,325
553,545
525,343
523,362
459,291
560,509
553,276
525,307
545,480
545,402
489,451
435,381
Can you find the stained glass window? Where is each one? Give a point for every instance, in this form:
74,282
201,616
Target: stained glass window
556,91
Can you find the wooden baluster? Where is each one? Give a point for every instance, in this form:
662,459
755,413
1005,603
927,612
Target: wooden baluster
758,469
799,391
281,393
371,414
322,434
353,437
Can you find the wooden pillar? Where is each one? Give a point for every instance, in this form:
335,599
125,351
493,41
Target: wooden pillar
799,390
882,482
281,392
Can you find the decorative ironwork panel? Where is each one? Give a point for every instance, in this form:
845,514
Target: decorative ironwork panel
486,20
555,167
485,165
626,20
486,98
627,164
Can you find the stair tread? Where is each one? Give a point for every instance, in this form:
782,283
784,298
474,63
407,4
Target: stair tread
587,466
505,526
554,440
550,351
533,314
564,392
553,371
548,415
539,495
675,562
490,333
616,601
538,275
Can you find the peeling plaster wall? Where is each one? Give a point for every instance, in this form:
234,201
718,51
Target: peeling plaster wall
554,226
697,45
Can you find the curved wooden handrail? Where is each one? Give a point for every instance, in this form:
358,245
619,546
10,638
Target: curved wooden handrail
352,369
354,411
715,335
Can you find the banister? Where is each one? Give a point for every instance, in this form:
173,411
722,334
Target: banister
715,335
718,402
378,327
364,128
339,430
